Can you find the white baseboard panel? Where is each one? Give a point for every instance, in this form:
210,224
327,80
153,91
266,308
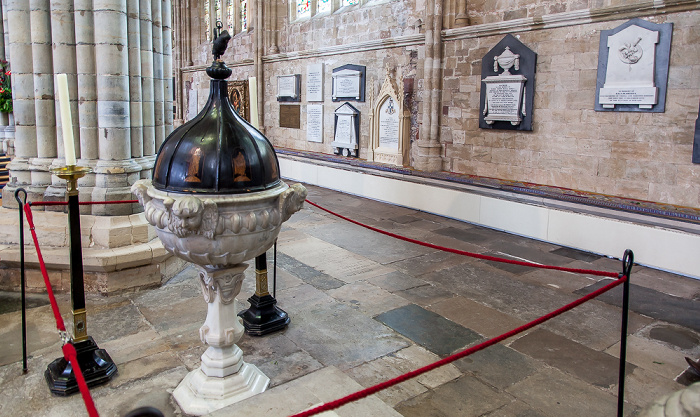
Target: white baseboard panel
656,246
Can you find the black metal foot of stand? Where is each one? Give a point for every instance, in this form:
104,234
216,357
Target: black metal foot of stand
263,316
95,363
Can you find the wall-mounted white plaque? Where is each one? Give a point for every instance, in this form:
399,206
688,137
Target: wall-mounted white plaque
314,122
345,134
389,124
633,62
192,108
288,87
314,82
349,83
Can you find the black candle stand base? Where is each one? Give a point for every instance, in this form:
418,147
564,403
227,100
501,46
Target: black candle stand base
95,363
263,317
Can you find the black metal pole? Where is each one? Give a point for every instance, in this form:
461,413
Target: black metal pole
627,262
274,271
77,286
22,279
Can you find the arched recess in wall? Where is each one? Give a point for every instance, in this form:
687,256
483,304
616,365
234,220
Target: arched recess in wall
389,124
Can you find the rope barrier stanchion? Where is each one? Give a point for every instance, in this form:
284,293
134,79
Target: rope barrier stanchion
471,254
627,262
22,278
69,351
401,378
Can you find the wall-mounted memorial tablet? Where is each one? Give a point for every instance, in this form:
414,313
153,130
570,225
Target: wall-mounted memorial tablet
314,122
633,63
238,96
349,83
314,82
346,130
289,87
508,86
290,116
389,140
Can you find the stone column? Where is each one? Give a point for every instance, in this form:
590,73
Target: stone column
158,94
148,117
44,105
63,62
462,18
115,170
167,69
86,93
427,149
259,52
19,28
135,95
274,47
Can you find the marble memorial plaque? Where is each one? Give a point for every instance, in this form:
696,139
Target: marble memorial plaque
314,82
290,116
507,93
288,87
192,108
314,122
389,125
633,67
346,130
349,83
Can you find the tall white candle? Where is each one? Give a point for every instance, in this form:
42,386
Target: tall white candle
253,88
66,123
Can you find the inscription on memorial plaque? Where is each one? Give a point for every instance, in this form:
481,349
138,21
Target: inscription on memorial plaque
633,67
288,87
290,116
349,83
389,125
314,123
507,95
314,82
346,130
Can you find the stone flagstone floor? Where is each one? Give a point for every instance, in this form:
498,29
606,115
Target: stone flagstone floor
366,308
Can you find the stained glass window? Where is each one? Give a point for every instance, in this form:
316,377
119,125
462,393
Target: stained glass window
303,8
350,2
217,10
207,20
324,6
244,15
229,17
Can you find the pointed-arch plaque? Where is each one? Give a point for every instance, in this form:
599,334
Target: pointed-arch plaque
389,139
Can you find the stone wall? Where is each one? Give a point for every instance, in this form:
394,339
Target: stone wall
644,156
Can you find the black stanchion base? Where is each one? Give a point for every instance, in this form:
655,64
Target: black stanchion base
263,317
95,363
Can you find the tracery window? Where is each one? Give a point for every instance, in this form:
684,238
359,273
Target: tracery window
350,2
244,15
324,6
303,8
207,19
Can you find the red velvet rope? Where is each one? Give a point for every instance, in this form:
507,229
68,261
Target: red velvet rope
44,273
68,349
401,378
472,254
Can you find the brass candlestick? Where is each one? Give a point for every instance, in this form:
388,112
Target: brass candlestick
263,316
96,365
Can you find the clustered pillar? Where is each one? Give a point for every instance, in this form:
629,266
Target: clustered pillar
116,54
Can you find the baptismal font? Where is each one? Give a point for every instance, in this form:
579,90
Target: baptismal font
217,200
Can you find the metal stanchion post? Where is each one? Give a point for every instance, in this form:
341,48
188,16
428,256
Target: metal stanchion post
22,279
627,262
95,363
263,316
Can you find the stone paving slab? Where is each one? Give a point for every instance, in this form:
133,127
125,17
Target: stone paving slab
325,385
484,320
592,366
498,366
396,281
367,298
557,394
653,304
652,356
464,397
428,329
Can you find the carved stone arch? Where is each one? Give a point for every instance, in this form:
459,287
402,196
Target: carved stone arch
389,139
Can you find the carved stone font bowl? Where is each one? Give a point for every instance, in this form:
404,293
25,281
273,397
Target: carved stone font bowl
219,230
